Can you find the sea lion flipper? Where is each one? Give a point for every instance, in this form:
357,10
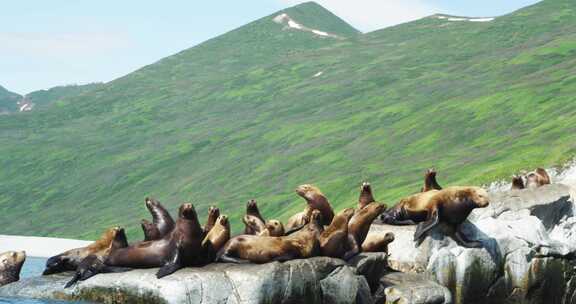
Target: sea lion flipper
295,229
225,258
462,240
353,248
427,225
173,264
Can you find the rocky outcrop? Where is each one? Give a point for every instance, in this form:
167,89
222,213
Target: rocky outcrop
315,280
528,237
527,252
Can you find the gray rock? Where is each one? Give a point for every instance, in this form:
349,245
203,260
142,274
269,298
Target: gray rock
399,288
315,280
528,242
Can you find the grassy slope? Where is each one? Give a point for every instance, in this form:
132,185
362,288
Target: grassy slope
8,101
241,116
44,98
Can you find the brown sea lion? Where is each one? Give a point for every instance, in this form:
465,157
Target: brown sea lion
517,183
10,266
377,242
366,196
360,223
410,210
450,206
335,241
182,247
264,249
430,182
274,228
253,220
213,214
69,260
162,222
537,178
217,237
315,200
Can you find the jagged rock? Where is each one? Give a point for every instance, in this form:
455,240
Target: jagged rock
315,280
527,238
400,288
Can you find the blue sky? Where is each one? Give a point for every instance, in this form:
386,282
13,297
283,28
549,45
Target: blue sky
58,42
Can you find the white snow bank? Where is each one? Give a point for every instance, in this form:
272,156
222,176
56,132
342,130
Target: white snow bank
292,24
471,19
43,247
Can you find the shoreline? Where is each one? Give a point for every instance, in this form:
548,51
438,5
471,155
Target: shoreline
40,247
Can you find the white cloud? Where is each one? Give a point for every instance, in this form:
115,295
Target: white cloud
60,44
370,15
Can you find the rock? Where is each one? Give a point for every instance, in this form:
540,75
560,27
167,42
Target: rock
315,280
398,287
528,245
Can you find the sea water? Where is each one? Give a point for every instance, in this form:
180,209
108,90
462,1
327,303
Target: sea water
32,267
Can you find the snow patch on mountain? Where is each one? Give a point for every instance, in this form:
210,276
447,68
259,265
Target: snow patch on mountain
451,18
290,23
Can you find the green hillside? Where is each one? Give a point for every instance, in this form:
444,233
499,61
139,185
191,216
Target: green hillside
44,98
8,101
261,109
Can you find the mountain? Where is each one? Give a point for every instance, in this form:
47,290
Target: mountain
8,101
44,98
298,97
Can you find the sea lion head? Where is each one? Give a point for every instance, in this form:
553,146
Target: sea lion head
366,188
275,228
151,203
223,221
213,212
479,197
119,238
10,265
251,207
187,211
374,208
389,237
348,213
308,192
517,182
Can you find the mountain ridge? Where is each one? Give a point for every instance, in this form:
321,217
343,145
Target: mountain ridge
228,120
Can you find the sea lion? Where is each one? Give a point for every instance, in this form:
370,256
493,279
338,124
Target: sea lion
430,182
335,241
69,260
517,183
366,196
410,210
253,220
216,237
162,222
274,228
315,200
213,214
537,178
450,206
360,223
264,249
10,266
181,248
377,242
270,228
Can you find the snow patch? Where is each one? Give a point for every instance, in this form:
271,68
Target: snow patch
290,23
43,247
483,19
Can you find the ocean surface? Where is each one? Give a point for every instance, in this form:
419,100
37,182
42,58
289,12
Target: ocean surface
32,267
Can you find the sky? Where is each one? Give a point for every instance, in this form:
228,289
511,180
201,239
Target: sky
59,42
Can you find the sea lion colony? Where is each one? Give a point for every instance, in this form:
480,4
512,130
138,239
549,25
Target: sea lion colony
316,231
